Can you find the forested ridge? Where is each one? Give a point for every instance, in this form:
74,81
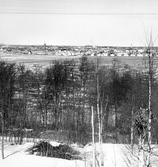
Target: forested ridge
59,98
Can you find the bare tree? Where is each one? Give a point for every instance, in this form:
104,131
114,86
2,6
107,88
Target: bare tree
150,54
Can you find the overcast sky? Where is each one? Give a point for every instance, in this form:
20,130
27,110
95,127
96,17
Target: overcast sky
78,22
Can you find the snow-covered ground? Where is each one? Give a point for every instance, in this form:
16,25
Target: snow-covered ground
112,155
16,156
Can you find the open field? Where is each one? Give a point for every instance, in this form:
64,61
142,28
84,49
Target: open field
32,59
29,60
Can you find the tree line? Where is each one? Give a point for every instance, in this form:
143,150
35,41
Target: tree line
60,98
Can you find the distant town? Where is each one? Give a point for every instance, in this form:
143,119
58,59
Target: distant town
87,50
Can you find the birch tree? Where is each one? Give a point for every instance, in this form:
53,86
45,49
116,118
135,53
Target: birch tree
151,54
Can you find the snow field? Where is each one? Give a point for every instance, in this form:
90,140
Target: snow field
112,155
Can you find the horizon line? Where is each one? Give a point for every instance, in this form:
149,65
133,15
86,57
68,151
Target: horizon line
73,45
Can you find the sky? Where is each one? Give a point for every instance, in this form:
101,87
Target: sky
78,22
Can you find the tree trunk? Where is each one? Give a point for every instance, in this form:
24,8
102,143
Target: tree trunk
93,139
116,122
101,142
83,110
101,124
98,110
2,118
74,113
107,116
141,152
132,131
150,113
